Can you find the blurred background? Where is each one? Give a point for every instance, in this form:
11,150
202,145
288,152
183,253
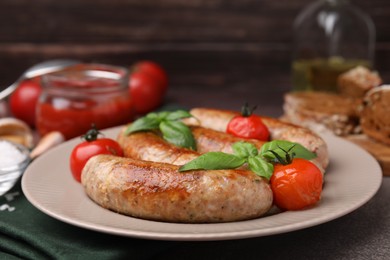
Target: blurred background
235,50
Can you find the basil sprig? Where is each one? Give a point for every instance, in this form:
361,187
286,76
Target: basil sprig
274,150
260,162
172,129
214,161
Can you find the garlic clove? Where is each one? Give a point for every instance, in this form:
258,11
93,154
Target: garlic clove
46,142
16,130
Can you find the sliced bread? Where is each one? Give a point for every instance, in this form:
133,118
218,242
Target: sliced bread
357,82
322,111
375,114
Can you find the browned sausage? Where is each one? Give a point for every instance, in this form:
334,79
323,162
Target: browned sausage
157,191
219,119
150,146
209,140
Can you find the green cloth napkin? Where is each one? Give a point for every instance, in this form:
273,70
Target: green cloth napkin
27,233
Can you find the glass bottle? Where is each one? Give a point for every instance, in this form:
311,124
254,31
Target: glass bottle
330,37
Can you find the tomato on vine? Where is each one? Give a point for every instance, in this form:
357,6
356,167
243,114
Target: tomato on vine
92,146
247,125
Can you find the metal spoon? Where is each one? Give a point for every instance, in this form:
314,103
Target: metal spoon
38,70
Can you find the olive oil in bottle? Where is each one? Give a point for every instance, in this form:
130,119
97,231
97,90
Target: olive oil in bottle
321,74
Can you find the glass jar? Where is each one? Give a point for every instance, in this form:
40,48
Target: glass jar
77,97
330,37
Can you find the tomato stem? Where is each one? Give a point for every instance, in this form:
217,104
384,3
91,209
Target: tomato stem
288,157
247,111
91,134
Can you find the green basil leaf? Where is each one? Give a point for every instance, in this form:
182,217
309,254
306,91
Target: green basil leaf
177,133
278,146
261,167
153,115
179,114
244,149
213,161
143,124
160,115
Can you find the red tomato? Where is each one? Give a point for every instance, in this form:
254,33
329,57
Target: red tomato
82,152
155,71
24,100
296,185
145,92
251,127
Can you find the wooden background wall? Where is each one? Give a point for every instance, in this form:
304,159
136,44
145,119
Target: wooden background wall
225,45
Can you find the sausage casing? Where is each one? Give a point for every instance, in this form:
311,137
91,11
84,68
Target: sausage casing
158,191
150,146
148,184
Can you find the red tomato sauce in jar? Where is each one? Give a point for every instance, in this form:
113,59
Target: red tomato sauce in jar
74,99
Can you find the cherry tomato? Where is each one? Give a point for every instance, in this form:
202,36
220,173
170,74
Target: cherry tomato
155,71
296,185
24,100
92,146
251,127
248,126
145,92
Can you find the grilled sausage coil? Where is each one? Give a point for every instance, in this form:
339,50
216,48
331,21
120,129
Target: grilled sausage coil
147,184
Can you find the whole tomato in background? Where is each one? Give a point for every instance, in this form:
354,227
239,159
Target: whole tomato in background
148,84
23,101
154,70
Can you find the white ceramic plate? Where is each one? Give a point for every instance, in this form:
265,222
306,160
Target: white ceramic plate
351,180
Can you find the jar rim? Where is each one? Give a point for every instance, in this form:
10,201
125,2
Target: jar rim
81,76
94,66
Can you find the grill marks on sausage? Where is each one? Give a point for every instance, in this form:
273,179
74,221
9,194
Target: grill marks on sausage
149,146
158,191
209,140
219,119
148,185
